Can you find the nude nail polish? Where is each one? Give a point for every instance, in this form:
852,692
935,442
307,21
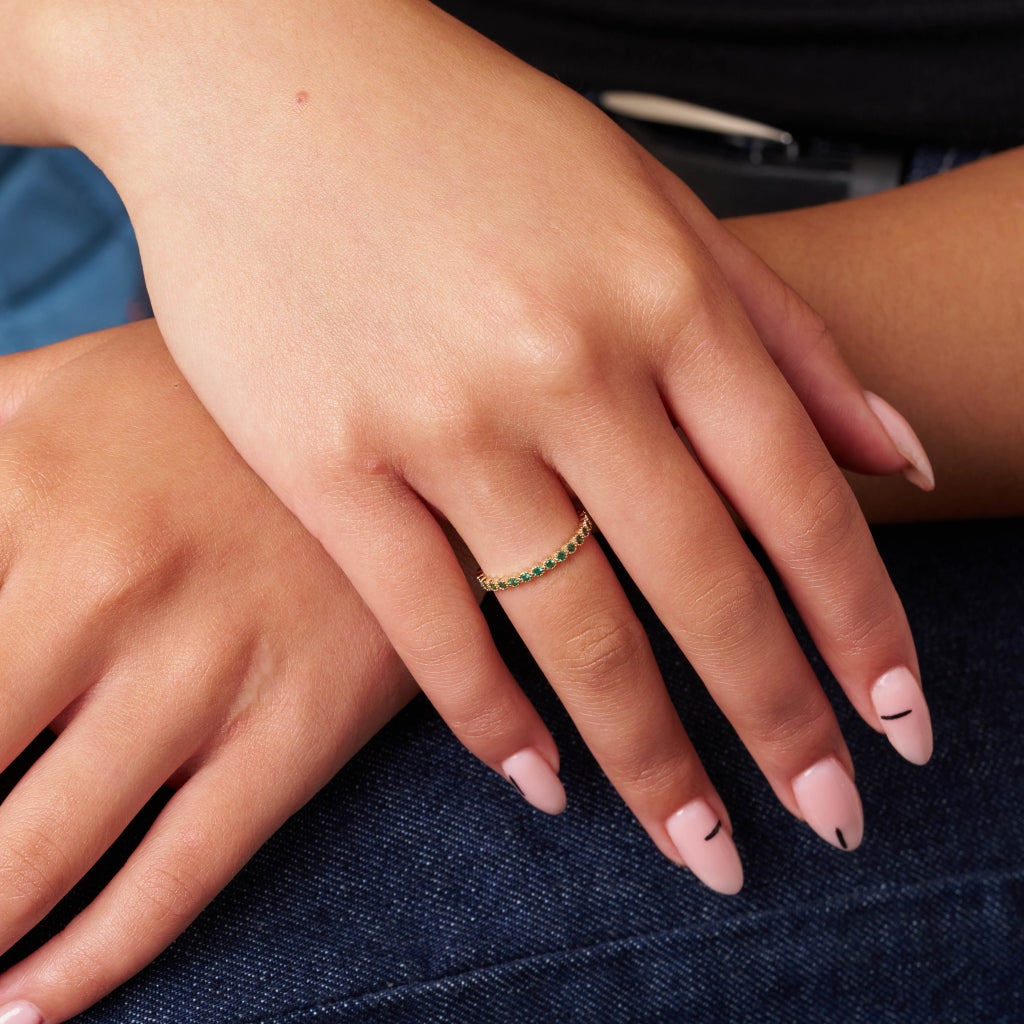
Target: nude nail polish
535,781
900,704
830,803
901,433
20,1012
705,845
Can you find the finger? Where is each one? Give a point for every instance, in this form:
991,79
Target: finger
681,547
64,812
754,439
201,839
47,660
570,610
863,432
397,556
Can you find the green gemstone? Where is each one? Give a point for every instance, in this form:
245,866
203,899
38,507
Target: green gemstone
513,581
562,555
525,577
550,564
580,538
502,585
538,570
570,547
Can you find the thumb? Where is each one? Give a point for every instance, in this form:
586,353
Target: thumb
861,430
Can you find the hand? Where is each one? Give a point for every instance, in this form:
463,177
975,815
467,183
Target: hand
180,625
414,279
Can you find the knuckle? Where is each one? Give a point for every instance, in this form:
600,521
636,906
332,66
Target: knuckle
655,775
602,652
824,520
795,318
558,356
790,723
733,611
867,628
35,870
122,561
166,898
670,278
438,643
481,724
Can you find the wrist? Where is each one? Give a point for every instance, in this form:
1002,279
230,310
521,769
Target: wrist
29,115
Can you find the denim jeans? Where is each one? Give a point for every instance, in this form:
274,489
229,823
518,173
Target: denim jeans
417,886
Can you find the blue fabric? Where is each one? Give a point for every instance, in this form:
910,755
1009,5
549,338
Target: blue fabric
68,259
419,887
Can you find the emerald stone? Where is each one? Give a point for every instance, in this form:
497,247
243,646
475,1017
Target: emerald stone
570,547
502,585
538,570
525,577
513,581
562,555
550,564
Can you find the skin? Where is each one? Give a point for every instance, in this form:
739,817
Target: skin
358,211
147,519
920,287
402,301
177,625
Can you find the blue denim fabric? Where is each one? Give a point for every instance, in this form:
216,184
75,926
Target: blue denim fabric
419,887
927,161
68,259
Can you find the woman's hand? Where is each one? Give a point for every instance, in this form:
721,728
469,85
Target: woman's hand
414,279
178,624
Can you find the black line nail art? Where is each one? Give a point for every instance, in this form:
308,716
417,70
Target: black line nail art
714,832
892,718
515,786
841,838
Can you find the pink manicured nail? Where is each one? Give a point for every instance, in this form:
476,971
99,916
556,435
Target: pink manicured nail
706,847
901,706
535,781
901,433
20,1013
830,803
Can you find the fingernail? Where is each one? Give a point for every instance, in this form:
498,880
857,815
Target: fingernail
830,803
535,781
706,846
20,1012
901,433
900,704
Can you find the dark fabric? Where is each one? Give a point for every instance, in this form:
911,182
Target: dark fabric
419,887
911,71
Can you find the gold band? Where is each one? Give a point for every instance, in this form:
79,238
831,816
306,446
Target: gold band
517,579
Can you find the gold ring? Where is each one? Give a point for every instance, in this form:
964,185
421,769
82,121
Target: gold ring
517,579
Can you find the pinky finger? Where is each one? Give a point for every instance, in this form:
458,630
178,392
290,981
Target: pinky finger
200,841
862,431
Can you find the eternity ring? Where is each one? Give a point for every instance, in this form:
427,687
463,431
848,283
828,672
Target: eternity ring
517,579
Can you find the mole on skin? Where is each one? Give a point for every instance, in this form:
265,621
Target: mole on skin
301,99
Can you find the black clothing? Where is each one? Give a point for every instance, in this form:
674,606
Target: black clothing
913,71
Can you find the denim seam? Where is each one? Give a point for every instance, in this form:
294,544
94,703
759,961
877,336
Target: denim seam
858,898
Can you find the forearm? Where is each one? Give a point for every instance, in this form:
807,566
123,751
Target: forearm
921,287
27,114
